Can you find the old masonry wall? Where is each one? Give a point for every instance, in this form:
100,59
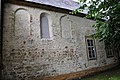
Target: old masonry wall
26,55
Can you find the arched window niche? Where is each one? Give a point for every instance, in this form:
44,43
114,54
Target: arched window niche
45,26
22,23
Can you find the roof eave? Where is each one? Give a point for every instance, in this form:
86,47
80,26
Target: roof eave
44,6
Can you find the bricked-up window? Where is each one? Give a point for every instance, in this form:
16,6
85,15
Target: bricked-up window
22,24
109,51
90,44
44,26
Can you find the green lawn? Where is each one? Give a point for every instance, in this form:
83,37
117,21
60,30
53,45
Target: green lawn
113,74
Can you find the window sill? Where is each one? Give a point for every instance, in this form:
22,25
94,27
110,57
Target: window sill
110,56
46,39
92,59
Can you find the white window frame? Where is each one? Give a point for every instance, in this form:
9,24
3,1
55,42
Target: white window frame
91,48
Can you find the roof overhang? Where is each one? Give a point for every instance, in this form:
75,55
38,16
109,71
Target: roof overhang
44,6
64,4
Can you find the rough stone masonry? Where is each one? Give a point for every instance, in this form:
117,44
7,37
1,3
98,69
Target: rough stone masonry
26,55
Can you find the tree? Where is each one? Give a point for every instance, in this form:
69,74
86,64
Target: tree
106,13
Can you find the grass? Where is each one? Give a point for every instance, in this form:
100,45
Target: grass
112,74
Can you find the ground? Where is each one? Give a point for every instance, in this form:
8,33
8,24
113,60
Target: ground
112,74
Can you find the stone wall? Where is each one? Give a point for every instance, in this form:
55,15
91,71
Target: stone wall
27,56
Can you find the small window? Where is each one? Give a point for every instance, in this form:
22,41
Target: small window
109,51
44,25
91,48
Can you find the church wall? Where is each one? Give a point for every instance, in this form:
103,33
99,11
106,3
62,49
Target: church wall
27,56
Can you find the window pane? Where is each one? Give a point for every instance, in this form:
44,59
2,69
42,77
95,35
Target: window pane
90,52
89,48
93,52
88,42
90,55
44,27
91,42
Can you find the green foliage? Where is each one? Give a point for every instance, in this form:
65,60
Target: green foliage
106,13
111,74
113,78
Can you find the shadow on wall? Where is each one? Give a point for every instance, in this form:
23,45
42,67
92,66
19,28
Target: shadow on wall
1,36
